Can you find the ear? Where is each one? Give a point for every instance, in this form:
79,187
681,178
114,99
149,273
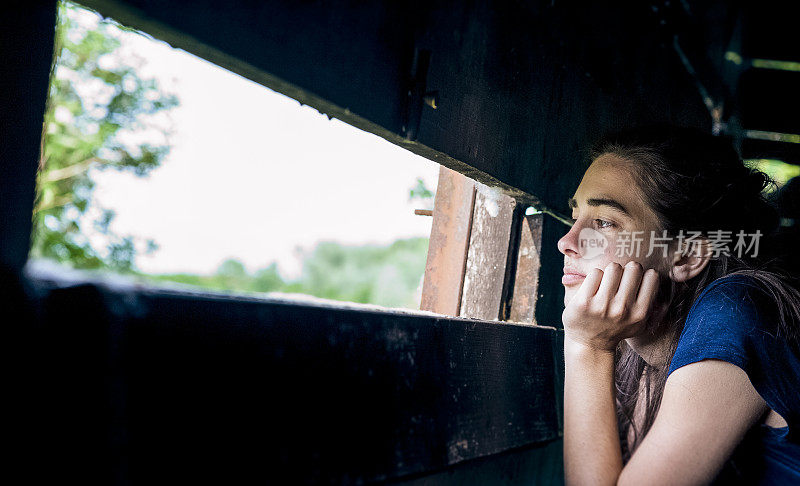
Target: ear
688,264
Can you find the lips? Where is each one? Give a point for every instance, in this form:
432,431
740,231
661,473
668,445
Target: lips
572,277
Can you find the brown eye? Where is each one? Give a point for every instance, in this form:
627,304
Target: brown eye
603,224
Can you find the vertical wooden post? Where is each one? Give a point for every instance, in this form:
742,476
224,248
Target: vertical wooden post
447,249
488,257
27,31
526,281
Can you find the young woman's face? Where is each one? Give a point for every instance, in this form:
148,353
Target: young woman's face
609,213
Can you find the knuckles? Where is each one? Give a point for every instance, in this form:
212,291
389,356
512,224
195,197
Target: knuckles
618,310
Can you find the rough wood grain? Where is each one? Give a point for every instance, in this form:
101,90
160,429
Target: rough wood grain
487,259
526,281
164,387
449,240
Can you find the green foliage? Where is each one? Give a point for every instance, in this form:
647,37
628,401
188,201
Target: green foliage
94,99
369,274
421,192
383,275
778,170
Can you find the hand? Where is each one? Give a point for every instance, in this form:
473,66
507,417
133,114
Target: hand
610,305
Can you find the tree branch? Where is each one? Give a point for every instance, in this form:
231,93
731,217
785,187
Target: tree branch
73,170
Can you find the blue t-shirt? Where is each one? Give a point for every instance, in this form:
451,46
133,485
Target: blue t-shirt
733,320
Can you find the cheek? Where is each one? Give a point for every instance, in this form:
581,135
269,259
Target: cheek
606,257
612,254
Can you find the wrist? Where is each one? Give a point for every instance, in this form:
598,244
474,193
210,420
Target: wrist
586,352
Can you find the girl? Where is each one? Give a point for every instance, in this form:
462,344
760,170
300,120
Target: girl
681,332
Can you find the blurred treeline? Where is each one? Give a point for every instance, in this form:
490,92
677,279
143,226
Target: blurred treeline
388,275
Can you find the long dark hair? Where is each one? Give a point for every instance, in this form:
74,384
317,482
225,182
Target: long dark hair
695,181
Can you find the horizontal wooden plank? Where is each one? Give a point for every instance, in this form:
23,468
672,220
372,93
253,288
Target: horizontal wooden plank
766,149
539,465
769,30
162,386
768,100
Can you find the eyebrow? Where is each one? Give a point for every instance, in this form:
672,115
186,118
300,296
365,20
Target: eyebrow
600,201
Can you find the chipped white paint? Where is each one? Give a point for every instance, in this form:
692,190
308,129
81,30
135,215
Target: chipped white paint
492,199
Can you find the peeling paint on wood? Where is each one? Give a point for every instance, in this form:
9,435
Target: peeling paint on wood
487,258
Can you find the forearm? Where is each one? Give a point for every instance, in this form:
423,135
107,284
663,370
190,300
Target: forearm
592,452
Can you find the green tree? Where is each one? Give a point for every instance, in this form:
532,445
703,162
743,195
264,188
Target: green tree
383,275
372,274
231,274
420,192
268,280
96,101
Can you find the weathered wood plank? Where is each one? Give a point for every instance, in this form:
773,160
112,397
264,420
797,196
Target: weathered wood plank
763,149
165,386
768,100
449,240
488,257
539,465
526,281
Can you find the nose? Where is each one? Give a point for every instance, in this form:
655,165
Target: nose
568,244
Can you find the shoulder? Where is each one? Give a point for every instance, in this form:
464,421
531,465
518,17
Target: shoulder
736,290
723,320
732,302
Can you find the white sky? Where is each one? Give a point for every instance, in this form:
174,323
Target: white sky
253,174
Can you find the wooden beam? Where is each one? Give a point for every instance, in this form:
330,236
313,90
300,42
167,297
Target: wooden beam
769,100
526,282
764,149
488,257
448,244
539,465
166,386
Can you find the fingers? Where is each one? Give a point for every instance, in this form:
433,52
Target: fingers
611,304
629,283
589,286
647,294
610,284
622,292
